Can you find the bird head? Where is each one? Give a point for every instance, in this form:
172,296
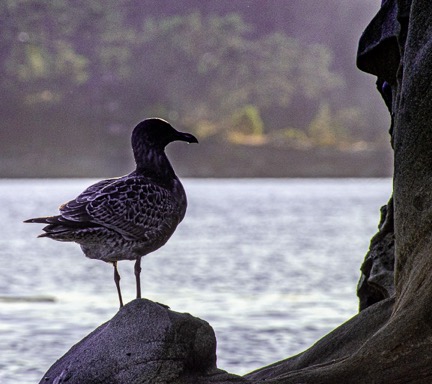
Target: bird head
157,133
149,139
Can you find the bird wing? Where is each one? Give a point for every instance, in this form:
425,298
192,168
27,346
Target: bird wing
91,192
74,211
134,207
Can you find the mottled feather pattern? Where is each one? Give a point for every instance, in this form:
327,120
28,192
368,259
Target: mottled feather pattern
134,207
92,191
128,217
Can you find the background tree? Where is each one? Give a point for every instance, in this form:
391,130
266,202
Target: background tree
80,74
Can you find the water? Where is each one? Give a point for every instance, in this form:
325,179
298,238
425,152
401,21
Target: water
272,265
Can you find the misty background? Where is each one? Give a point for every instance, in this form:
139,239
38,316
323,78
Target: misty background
270,88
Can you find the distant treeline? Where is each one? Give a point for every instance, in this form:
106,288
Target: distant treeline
77,75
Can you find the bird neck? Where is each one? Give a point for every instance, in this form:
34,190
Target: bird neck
154,163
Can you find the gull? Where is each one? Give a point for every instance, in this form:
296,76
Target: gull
128,217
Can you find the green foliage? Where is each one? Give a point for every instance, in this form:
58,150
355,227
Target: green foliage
247,120
321,128
84,60
330,128
294,135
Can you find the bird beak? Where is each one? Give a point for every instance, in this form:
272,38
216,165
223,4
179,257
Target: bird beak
182,136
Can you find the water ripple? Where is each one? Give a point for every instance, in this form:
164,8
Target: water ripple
271,264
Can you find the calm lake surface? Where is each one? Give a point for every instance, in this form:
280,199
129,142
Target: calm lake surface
271,264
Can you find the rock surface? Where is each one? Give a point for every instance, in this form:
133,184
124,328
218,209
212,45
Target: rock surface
377,278
144,342
329,352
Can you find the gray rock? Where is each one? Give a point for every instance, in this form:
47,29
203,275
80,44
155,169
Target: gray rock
377,279
144,342
328,353
378,51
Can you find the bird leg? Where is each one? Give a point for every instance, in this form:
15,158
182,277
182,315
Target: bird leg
137,276
117,282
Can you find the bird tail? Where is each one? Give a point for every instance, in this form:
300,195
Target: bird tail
61,229
54,230
44,220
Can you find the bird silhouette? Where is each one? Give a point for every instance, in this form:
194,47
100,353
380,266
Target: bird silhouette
128,217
